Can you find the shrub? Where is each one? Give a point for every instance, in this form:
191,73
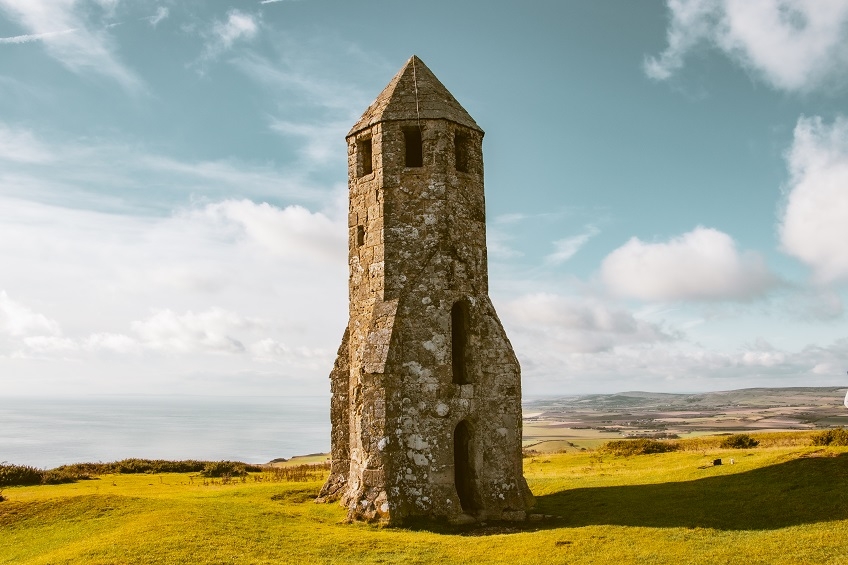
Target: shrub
130,466
12,475
59,476
838,436
84,469
224,469
22,475
738,441
641,446
135,466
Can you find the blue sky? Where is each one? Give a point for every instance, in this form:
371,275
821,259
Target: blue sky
667,187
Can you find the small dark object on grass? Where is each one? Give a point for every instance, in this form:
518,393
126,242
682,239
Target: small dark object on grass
739,441
717,462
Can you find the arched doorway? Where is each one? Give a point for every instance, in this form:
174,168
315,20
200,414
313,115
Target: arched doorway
464,476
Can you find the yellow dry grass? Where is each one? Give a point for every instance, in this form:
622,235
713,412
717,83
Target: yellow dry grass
784,503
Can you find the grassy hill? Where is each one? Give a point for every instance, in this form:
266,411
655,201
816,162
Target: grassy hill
782,502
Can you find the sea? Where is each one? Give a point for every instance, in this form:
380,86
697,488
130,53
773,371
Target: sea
48,432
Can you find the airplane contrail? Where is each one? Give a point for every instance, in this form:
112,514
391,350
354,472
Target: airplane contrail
35,36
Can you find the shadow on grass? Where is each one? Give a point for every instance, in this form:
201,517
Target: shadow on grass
802,491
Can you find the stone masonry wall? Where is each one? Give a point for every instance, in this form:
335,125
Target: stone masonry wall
417,247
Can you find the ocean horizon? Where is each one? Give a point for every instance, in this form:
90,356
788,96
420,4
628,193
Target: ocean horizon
46,432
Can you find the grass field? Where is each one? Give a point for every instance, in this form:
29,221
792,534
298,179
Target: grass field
778,504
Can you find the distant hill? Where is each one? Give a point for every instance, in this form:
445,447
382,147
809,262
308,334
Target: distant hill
649,412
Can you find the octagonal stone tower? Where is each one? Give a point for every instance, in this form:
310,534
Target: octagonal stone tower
426,389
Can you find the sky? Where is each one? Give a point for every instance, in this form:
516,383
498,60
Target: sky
666,184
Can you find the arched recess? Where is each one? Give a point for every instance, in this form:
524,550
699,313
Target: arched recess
464,475
459,342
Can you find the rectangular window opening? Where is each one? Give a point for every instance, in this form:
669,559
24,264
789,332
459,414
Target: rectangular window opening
414,147
364,157
459,341
462,151
360,236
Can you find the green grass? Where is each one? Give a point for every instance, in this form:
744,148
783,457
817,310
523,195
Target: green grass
781,504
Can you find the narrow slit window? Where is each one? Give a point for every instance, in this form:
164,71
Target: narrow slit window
360,236
459,341
462,151
414,147
365,156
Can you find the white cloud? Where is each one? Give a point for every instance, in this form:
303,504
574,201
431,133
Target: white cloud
215,178
16,320
215,331
814,223
572,325
209,331
296,73
568,247
238,26
511,218
20,145
506,233
111,174
323,140
673,365
703,264
49,344
69,36
816,304
498,244
761,354
285,265
271,350
162,13
206,290
293,231
794,45
305,80
114,343
691,22
585,344
224,34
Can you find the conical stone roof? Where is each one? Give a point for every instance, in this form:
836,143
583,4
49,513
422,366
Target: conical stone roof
414,92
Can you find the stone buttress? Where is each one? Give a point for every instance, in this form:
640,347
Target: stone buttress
426,389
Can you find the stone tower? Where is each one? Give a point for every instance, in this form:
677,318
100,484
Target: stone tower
426,389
